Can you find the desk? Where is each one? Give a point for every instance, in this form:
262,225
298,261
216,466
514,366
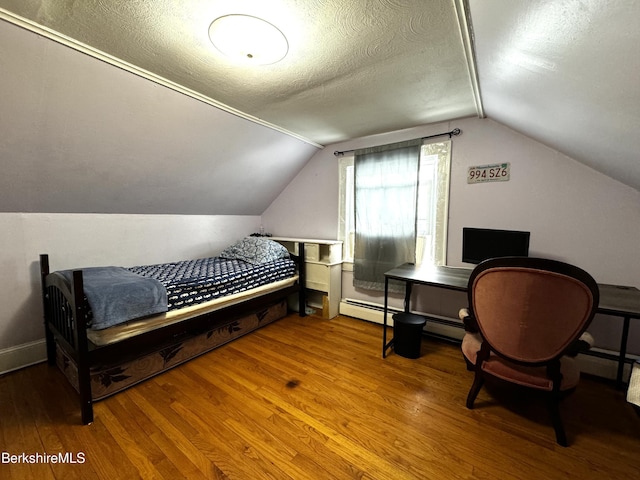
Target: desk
616,300
451,278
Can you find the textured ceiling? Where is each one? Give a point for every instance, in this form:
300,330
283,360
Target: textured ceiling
353,68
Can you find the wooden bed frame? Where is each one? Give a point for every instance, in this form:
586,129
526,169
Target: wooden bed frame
65,313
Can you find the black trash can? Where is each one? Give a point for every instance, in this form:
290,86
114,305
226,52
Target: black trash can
407,334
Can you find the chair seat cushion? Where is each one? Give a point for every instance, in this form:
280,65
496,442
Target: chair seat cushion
533,377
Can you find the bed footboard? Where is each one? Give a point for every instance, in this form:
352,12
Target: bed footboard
65,323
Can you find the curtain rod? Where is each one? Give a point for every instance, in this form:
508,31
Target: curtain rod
455,131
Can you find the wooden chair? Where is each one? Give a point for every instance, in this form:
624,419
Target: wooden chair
524,323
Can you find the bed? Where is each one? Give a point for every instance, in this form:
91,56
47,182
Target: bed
109,328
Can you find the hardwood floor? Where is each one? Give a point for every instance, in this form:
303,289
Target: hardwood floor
306,398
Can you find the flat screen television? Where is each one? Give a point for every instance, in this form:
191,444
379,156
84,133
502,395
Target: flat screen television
479,244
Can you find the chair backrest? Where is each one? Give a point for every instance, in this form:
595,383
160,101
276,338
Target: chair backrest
529,310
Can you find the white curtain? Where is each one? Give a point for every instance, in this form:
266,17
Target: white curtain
386,181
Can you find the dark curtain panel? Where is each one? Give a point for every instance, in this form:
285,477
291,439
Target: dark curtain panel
386,180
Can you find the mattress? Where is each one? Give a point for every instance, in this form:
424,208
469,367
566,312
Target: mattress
195,287
136,327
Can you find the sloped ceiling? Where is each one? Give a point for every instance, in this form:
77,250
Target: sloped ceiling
566,73
561,71
80,136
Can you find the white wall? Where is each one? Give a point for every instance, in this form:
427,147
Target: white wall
574,213
82,240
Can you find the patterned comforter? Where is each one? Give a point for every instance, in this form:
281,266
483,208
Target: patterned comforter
191,282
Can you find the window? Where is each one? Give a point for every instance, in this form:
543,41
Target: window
432,211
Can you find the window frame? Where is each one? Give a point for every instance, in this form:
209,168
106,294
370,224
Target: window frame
440,209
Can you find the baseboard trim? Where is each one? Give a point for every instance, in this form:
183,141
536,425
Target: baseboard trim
589,364
20,356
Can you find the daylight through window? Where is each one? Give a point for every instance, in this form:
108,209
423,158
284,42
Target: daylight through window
432,211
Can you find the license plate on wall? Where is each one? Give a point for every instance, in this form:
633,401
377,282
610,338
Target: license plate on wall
499,172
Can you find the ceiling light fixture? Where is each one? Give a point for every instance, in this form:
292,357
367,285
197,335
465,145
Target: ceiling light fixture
248,39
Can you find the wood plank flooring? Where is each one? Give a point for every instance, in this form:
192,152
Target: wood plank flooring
307,398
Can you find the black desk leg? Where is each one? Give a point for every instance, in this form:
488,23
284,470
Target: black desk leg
408,286
384,317
623,352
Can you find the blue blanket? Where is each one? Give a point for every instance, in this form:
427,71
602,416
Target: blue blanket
117,295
